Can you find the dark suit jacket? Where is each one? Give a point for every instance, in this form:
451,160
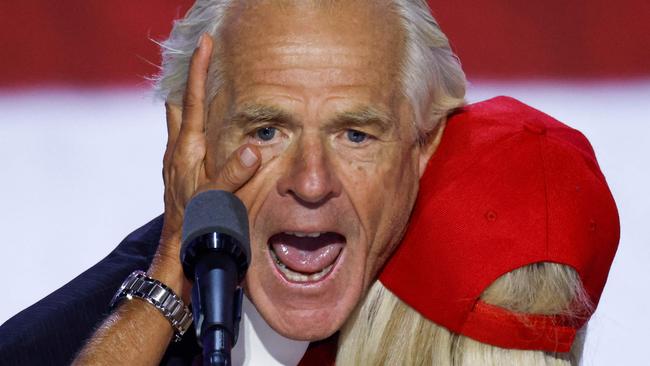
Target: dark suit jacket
53,330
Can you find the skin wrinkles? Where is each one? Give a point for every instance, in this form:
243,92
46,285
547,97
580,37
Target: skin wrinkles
292,53
312,177
376,124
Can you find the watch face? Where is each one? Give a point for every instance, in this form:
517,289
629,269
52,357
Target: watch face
116,298
121,292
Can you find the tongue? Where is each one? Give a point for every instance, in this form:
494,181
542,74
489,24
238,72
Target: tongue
307,255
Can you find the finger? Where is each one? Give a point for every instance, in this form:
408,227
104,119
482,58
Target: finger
240,167
174,117
194,99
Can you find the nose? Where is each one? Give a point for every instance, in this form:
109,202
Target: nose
311,177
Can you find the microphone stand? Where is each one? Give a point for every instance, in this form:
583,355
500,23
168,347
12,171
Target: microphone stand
216,283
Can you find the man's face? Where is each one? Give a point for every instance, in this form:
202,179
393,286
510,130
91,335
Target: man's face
317,90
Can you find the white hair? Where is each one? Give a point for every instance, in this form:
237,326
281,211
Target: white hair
432,78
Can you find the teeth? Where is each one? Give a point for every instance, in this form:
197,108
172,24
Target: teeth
302,235
300,277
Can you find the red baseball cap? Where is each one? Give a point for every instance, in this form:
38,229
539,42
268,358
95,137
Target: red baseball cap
508,186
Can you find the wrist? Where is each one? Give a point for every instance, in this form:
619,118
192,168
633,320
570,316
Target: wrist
170,272
166,265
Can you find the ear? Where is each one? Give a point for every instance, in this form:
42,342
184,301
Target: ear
429,144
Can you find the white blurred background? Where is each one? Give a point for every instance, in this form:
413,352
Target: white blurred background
81,139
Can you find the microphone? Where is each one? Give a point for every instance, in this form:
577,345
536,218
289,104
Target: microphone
215,254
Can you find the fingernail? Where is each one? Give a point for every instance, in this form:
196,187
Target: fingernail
200,42
247,157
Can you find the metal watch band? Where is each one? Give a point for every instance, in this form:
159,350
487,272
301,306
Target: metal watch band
139,285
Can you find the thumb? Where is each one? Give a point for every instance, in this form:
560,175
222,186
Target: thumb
240,167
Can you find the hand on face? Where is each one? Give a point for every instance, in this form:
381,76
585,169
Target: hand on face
315,96
184,170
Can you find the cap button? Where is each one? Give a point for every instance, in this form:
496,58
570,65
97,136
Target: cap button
491,215
537,129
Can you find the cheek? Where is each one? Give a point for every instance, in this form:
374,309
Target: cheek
387,177
219,148
271,152
383,193
258,189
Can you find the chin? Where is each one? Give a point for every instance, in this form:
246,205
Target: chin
310,326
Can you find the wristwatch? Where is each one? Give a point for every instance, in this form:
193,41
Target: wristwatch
139,285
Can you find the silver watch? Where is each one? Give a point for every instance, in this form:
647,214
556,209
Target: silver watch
139,285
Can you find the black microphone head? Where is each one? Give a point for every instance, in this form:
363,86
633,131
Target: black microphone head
216,212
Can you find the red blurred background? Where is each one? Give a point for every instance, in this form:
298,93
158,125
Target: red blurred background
80,42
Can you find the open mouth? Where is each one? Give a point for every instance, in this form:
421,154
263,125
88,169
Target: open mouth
305,257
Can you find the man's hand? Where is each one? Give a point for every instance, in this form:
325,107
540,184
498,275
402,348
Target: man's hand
184,170
137,334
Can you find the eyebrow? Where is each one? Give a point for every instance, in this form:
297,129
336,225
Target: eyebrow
259,113
363,116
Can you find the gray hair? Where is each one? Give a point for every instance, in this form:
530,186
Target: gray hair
432,78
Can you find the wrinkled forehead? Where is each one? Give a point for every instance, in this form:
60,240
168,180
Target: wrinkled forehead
360,34
373,18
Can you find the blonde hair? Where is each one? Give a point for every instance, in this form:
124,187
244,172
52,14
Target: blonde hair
385,331
432,78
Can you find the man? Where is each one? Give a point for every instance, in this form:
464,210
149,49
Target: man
320,116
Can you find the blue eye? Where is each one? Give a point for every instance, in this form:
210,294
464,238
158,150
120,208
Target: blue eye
356,136
265,133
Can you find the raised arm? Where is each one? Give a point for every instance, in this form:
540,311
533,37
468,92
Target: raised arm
136,333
